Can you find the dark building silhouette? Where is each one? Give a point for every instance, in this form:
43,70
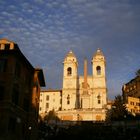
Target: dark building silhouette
132,88
20,86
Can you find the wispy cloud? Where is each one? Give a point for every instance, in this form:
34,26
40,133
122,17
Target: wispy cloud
46,30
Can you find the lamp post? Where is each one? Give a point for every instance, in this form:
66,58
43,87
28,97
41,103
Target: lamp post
19,127
29,129
125,124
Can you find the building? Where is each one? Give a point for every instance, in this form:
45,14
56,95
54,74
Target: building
133,105
110,104
50,100
83,97
131,95
19,94
132,88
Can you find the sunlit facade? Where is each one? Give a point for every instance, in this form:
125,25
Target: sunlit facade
50,100
83,97
133,105
131,95
19,94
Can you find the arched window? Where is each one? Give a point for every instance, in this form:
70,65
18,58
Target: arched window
69,71
98,69
68,99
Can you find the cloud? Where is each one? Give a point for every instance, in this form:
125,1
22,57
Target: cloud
40,1
46,31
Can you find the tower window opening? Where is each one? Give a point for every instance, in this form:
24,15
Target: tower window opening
98,69
69,71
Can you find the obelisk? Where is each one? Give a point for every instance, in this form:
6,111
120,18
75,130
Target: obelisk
85,91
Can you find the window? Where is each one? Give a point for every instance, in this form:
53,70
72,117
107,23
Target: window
1,92
17,69
47,97
28,80
15,96
68,99
131,103
3,64
98,69
26,104
68,102
47,105
99,99
69,71
7,46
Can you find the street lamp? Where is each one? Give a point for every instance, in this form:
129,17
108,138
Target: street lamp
29,128
18,120
125,123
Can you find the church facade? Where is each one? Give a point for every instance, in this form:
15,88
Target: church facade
81,97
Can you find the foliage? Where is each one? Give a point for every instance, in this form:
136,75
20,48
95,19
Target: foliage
118,111
51,116
95,131
48,125
138,72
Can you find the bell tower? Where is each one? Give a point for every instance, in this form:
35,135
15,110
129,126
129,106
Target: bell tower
99,80
70,75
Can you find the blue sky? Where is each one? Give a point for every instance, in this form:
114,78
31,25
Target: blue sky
46,30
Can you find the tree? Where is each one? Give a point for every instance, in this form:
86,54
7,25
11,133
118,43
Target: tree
47,126
118,111
138,72
51,116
